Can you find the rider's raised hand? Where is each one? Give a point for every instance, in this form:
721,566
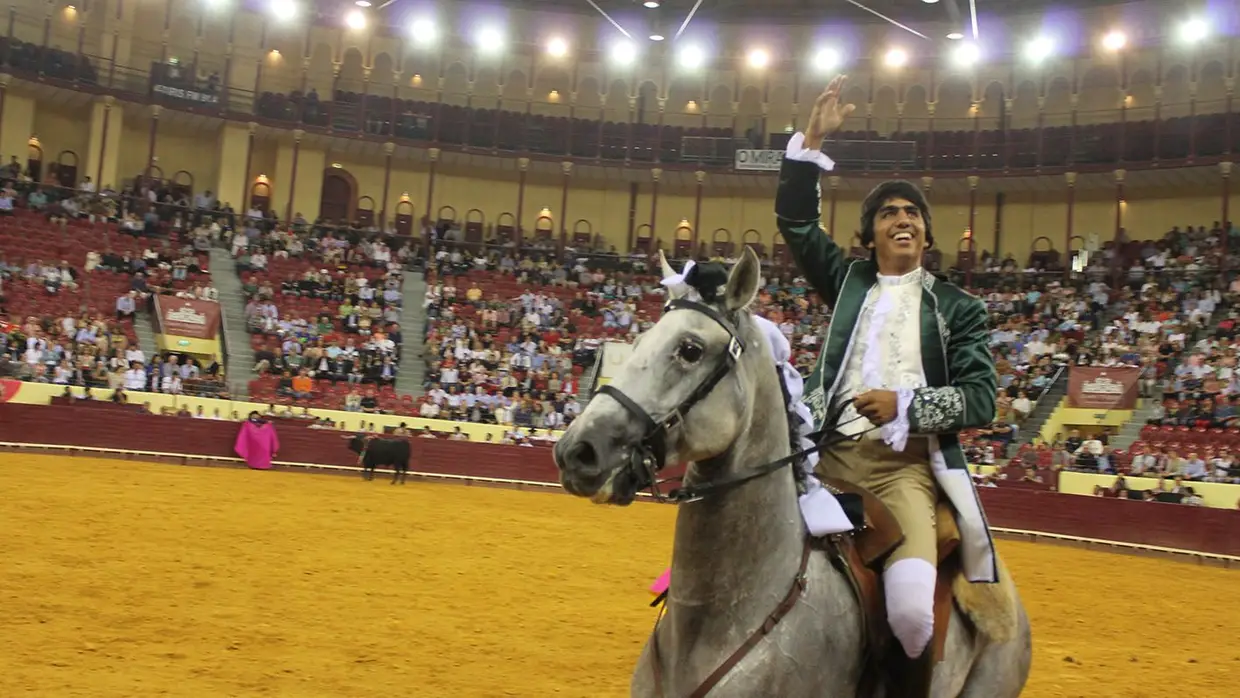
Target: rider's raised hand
828,113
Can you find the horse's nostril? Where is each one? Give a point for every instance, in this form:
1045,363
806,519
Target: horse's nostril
582,455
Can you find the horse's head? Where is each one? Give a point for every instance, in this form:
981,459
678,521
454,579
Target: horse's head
686,394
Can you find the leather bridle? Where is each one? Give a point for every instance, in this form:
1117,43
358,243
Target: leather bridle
649,458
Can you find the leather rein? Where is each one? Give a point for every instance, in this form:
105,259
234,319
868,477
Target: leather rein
649,459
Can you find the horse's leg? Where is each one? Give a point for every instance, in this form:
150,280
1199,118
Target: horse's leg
395,473
404,472
1001,669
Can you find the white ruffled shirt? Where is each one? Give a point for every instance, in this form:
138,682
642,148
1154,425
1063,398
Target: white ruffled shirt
891,313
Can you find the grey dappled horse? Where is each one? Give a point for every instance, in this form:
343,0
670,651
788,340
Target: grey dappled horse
737,551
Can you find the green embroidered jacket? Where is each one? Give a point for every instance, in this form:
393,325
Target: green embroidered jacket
960,372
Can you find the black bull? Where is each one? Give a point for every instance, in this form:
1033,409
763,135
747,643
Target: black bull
374,452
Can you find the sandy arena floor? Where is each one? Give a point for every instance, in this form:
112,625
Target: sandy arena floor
135,580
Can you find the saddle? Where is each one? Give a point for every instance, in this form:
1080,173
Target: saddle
861,556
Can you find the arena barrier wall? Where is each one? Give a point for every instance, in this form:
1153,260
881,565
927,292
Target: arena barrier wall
1202,529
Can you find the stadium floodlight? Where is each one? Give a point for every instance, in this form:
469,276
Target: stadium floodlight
691,57
557,47
624,53
1114,40
283,9
758,58
896,58
1194,30
490,40
826,60
423,31
1039,49
355,20
966,54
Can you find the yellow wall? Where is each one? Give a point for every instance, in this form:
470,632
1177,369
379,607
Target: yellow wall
1064,418
42,393
1215,494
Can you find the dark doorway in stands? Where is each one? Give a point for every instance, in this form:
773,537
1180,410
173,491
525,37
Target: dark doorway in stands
66,170
338,198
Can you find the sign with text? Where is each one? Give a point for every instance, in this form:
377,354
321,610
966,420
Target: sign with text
187,95
759,160
186,317
1103,387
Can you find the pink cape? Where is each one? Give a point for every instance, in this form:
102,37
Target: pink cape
660,585
257,444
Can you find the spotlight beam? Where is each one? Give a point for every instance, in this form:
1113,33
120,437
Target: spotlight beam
688,17
885,18
607,17
973,17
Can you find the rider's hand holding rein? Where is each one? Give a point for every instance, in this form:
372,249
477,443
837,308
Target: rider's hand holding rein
828,114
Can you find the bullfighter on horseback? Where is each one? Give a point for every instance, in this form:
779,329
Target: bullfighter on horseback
905,367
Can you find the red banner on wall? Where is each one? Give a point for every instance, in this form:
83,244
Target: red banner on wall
1103,388
188,318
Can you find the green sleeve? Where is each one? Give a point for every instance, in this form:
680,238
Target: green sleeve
797,212
969,401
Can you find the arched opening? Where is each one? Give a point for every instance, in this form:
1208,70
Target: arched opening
544,226
721,243
364,211
475,222
753,239
34,159
183,183
683,245
260,194
583,232
66,169
338,196
645,237
447,217
1042,254
966,257
404,216
153,175
505,227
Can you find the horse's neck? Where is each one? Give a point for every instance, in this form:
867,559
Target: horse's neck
749,539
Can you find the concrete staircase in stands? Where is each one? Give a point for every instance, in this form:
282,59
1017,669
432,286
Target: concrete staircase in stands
1131,431
413,333
240,361
144,327
1047,404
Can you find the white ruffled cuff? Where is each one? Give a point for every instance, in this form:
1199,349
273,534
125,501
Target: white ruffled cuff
822,512
797,151
895,432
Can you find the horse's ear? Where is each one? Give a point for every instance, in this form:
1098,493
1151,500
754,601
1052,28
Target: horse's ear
669,273
664,266
744,280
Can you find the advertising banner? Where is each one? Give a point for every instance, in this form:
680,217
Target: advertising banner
183,317
1103,387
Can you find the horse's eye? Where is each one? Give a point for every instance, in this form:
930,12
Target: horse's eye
689,352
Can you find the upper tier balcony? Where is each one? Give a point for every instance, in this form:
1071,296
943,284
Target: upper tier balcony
1079,141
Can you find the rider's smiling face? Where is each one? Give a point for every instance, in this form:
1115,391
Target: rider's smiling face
899,236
